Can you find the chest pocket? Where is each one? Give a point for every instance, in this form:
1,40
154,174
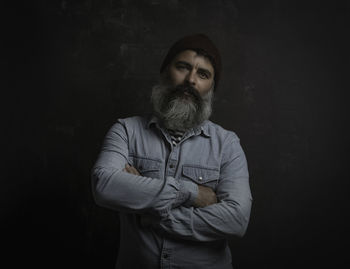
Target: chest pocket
147,167
201,175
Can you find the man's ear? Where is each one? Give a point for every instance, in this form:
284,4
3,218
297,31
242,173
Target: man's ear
166,69
213,86
164,76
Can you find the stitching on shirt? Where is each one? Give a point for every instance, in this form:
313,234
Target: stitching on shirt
202,167
144,157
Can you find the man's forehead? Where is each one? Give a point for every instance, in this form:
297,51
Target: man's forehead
192,57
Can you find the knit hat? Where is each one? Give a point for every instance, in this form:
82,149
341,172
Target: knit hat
200,43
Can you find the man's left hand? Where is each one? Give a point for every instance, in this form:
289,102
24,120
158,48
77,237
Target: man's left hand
132,170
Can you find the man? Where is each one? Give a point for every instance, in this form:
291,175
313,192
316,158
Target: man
179,182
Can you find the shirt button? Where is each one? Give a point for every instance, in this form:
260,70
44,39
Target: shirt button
172,166
165,255
200,178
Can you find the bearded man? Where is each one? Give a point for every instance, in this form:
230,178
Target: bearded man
178,181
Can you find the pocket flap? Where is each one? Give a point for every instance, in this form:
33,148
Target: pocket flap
146,165
200,175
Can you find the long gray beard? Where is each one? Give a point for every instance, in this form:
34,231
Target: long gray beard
179,114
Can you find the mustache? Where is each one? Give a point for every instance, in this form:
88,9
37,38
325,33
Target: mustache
181,89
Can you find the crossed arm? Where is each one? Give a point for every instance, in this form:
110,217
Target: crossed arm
205,197
178,208
212,216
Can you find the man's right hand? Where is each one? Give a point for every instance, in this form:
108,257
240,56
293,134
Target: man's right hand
206,196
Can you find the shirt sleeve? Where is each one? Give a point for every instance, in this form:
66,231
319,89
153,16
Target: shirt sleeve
118,190
227,218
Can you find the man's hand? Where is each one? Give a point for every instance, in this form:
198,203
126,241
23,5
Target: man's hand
131,170
206,196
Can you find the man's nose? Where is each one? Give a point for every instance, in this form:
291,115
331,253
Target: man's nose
191,78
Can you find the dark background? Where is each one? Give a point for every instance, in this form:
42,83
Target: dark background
71,68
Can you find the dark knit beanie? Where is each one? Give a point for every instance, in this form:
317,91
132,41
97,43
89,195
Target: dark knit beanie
202,45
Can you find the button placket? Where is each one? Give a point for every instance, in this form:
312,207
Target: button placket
165,258
172,162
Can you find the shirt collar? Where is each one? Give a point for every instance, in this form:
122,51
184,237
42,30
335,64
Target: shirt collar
201,129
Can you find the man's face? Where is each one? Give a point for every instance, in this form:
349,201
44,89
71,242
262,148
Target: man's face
192,69
183,98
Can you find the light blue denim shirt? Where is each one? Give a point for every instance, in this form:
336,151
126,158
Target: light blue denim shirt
160,227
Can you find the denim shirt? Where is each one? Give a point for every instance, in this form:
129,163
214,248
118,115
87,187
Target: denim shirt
160,227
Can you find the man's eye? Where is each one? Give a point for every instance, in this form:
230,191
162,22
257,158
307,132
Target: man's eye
203,75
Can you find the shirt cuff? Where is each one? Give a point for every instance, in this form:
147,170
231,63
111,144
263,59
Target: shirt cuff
187,193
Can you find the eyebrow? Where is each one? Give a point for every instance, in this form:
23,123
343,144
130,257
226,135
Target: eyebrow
188,65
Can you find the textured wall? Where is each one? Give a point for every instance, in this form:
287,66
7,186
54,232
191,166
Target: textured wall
73,67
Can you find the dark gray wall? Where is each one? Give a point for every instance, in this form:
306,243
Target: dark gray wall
71,68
